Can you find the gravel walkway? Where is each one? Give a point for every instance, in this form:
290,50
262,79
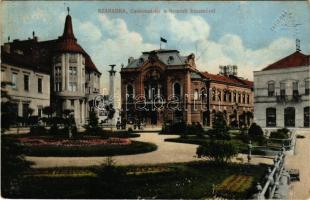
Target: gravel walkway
167,152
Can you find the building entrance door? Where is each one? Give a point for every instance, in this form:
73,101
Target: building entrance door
154,117
289,117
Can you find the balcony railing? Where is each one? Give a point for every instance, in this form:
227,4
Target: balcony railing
289,98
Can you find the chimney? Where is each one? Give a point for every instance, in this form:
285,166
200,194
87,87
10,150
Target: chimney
130,59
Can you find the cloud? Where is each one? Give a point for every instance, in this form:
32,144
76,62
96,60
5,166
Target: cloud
194,31
186,31
229,49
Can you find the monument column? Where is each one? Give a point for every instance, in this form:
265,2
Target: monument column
112,91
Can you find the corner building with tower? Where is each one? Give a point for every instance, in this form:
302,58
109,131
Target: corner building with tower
57,73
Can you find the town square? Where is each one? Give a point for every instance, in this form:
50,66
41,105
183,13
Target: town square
155,100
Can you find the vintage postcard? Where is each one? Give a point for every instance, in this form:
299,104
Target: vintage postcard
155,99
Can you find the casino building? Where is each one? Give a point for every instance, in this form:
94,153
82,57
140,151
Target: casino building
163,85
57,73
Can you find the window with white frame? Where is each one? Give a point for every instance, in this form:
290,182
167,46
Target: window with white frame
271,89
14,80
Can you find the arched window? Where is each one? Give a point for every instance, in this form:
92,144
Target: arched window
219,95
271,117
307,116
225,96
243,97
289,116
177,89
213,95
235,97
239,98
129,93
196,95
229,96
203,95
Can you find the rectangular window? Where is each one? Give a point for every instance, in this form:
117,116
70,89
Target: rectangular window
40,85
39,111
26,82
58,86
271,117
14,81
271,89
307,87
295,88
72,71
25,109
3,78
72,102
282,89
72,87
58,72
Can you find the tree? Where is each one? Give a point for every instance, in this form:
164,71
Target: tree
93,119
111,111
12,167
49,111
218,151
256,133
8,115
220,128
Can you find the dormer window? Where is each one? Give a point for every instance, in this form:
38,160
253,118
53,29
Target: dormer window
170,60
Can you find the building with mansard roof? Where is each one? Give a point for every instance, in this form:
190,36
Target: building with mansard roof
282,93
57,73
162,84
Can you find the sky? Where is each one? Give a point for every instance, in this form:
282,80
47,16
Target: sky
250,35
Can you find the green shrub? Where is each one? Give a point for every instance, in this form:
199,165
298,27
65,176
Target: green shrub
220,128
12,167
38,130
54,130
280,134
256,133
218,151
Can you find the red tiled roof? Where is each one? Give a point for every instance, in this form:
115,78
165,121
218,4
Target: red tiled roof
296,59
228,79
32,49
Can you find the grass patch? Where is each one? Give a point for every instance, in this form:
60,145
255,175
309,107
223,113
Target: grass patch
193,180
242,147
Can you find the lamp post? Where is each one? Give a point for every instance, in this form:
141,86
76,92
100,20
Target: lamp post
250,151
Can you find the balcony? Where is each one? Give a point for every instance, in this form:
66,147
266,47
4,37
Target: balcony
295,98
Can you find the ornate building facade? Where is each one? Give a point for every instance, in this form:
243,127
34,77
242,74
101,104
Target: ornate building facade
163,85
56,73
282,93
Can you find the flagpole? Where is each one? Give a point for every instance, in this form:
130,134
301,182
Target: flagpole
160,45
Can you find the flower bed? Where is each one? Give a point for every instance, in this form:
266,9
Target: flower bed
86,146
73,143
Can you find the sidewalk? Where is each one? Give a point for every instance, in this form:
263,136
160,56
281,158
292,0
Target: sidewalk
301,161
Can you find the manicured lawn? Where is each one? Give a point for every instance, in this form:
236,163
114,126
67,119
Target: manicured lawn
191,180
193,139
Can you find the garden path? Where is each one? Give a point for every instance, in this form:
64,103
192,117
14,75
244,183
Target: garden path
167,152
